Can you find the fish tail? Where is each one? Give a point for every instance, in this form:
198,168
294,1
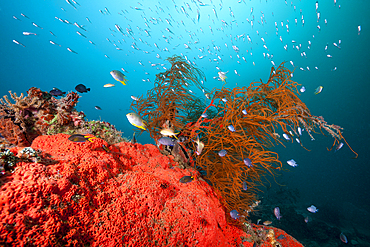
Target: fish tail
123,82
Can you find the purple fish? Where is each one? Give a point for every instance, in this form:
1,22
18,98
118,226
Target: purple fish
248,162
234,214
166,141
222,152
277,213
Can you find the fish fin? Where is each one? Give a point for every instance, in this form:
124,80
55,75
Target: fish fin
123,82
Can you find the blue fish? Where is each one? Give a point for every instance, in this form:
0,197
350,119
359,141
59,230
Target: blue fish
82,88
248,162
234,214
222,152
231,128
340,145
57,92
166,141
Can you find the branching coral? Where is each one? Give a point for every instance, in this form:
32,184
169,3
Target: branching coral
23,118
244,123
169,99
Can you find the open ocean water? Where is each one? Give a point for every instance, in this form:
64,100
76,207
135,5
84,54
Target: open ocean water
138,36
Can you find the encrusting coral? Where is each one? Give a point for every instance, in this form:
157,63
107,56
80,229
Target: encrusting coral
128,195
241,121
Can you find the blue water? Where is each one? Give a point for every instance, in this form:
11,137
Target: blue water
326,179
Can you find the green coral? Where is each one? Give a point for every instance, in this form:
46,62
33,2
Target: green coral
52,121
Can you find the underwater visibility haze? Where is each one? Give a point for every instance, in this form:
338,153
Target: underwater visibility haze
123,51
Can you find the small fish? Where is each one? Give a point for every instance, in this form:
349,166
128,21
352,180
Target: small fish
200,146
307,219
319,90
24,15
303,89
186,179
134,98
267,222
277,213
28,33
234,214
136,120
224,100
244,112
97,108
231,128
204,115
53,43
292,163
118,76
248,162
166,141
56,92
312,209
222,152
106,149
133,140
281,237
82,88
18,43
343,238
299,131
222,76
81,138
245,187
286,136
340,145
69,49
109,85
169,132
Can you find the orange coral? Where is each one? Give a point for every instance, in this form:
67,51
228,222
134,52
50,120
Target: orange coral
270,106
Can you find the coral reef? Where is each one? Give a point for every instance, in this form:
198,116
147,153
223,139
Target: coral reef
243,122
24,118
126,195
103,130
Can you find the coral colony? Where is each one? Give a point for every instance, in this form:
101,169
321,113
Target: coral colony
97,188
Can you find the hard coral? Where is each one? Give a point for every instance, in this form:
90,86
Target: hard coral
130,196
38,113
